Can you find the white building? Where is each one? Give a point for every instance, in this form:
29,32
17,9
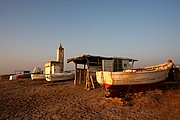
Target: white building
57,66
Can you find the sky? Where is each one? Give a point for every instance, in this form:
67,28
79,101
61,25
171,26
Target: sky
31,30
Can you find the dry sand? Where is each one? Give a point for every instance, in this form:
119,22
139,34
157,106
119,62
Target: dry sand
27,99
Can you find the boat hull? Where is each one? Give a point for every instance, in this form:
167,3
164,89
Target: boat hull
131,80
59,77
23,76
12,77
123,89
38,77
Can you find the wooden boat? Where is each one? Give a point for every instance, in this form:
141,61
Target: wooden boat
37,74
38,77
12,77
60,76
134,79
23,76
19,76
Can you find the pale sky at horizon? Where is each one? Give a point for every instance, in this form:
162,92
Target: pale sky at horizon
31,30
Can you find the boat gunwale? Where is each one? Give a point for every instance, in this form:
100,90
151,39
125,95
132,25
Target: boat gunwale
137,72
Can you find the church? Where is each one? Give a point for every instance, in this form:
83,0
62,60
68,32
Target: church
57,66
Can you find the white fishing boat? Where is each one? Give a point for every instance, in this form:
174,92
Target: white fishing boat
20,74
13,77
60,76
134,79
38,76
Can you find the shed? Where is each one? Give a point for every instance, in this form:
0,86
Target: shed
92,63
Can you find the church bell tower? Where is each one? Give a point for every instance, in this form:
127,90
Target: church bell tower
60,57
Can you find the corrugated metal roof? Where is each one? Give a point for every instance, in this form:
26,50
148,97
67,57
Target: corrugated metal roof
94,60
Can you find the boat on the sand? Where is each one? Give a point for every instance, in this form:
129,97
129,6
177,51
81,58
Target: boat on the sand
38,77
23,76
60,76
37,74
12,77
20,74
135,80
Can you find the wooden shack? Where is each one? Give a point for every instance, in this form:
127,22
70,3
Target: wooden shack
87,65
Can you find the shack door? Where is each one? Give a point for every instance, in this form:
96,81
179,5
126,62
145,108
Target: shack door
118,65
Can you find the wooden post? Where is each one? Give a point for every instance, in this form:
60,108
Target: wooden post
84,73
80,76
75,75
92,82
87,78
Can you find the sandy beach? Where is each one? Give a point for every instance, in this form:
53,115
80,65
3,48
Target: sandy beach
39,99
